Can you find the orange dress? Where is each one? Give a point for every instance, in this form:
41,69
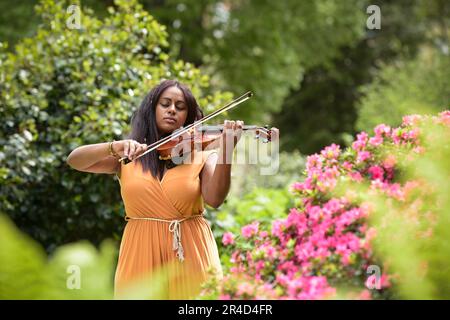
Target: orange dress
147,246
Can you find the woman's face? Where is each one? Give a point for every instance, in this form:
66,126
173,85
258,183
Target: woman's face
171,110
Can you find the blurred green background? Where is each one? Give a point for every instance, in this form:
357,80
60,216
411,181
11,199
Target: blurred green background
318,74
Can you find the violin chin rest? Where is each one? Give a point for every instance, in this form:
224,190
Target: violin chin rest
169,157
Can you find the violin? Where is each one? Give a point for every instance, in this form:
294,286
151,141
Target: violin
204,137
196,135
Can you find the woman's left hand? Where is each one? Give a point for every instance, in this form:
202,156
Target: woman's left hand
232,132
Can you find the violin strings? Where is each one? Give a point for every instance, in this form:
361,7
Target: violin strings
160,142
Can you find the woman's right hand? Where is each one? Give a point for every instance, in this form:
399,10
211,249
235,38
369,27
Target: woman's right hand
129,148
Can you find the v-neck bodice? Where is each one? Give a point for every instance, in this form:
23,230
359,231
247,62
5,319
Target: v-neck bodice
177,193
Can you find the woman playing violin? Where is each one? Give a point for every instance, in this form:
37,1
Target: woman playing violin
164,207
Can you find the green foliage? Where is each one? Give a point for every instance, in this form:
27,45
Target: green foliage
267,45
418,86
412,234
290,168
262,198
67,87
74,271
263,205
324,109
27,272
420,228
17,21
263,46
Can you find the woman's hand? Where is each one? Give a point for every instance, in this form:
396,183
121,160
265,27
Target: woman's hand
232,132
128,148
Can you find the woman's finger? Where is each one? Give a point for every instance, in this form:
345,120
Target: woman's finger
126,148
238,130
140,150
275,133
132,150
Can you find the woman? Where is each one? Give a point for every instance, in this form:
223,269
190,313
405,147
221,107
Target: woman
161,202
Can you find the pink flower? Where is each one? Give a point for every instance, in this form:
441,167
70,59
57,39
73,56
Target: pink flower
444,117
228,238
250,229
382,129
411,119
363,156
331,152
263,234
396,136
376,172
347,165
295,218
313,161
356,176
277,227
389,162
360,142
365,295
374,282
375,141
270,251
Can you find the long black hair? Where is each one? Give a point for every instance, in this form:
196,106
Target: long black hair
143,121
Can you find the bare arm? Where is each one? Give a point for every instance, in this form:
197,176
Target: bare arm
216,180
216,175
95,158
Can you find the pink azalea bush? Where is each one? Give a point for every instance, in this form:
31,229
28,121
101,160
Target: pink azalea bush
326,240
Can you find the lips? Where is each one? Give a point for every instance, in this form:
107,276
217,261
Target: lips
170,120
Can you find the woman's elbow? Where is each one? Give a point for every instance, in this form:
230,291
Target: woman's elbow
68,160
215,203
71,161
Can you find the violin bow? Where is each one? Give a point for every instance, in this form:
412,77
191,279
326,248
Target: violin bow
259,129
162,141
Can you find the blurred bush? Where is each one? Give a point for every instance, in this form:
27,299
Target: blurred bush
416,86
64,88
413,235
75,271
383,202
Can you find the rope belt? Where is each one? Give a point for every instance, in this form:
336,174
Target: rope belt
174,228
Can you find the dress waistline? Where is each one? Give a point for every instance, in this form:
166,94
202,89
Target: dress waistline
174,228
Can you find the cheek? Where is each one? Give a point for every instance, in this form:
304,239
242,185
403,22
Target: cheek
183,117
158,112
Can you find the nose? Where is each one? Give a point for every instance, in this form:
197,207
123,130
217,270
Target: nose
172,109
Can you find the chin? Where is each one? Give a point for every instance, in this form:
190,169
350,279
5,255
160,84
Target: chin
166,128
